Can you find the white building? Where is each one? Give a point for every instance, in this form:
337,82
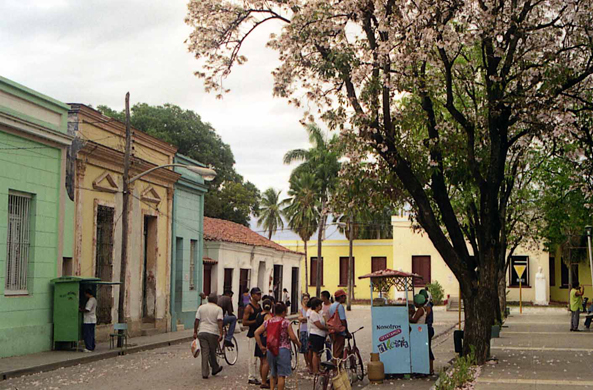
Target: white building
238,258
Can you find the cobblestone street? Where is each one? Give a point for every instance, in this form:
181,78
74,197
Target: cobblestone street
174,368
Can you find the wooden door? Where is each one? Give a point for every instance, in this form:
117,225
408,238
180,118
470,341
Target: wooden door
421,266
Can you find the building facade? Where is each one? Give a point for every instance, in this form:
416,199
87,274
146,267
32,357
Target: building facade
560,281
369,256
186,245
239,259
414,252
97,168
33,148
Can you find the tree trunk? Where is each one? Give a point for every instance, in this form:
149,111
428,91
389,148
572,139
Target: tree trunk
319,258
306,269
479,318
502,296
479,299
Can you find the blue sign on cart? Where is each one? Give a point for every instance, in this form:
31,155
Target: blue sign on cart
391,338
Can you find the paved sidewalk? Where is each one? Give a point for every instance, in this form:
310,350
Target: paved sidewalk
51,360
538,352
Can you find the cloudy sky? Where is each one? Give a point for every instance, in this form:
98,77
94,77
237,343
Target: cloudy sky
93,51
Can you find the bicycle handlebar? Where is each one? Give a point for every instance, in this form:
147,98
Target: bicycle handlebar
361,328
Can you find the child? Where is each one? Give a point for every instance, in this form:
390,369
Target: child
317,333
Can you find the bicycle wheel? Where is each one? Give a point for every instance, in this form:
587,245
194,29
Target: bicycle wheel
360,372
231,354
352,367
294,356
321,382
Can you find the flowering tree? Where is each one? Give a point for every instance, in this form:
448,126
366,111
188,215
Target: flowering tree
447,96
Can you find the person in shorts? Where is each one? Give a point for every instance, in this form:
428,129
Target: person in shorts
339,339
280,364
317,333
303,333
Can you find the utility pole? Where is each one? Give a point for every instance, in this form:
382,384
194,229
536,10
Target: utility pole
319,258
124,223
350,265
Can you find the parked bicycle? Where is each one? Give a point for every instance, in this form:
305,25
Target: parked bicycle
353,360
229,353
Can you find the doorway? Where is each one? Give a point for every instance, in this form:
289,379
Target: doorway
278,282
294,294
104,262
149,269
207,279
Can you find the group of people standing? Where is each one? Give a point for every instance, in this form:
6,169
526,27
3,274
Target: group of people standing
315,334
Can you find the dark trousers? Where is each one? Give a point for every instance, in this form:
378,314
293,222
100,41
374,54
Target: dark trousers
208,344
430,336
589,317
574,320
88,334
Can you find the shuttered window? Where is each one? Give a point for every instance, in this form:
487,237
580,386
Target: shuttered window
421,266
18,241
314,271
193,248
378,264
344,262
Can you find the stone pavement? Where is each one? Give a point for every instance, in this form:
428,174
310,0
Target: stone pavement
172,367
538,352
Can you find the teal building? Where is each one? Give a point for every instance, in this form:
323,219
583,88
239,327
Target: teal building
33,235
187,244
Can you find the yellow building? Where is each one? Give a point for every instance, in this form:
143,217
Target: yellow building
414,252
559,282
369,256
97,169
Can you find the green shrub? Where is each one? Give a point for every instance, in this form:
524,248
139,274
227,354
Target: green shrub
461,373
437,292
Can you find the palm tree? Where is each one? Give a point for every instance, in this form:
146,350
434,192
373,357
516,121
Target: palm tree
302,211
321,160
270,214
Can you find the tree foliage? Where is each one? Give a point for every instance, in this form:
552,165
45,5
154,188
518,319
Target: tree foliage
270,213
448,95
229,197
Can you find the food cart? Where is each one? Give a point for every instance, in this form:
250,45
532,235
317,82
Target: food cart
402,347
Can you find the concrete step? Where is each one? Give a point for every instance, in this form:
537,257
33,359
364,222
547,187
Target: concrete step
148,329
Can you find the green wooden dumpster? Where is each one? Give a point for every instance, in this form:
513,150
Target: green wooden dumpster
68,298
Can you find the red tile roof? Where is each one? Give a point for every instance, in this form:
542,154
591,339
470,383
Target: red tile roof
207,260
227,231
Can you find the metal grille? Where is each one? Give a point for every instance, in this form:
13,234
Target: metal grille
192,264
19,206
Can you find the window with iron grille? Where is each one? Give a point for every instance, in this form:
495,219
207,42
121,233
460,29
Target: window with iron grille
193,244
17,243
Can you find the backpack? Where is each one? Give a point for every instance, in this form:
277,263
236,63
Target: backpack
273,330
334,324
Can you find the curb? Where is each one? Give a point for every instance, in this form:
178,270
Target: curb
89,359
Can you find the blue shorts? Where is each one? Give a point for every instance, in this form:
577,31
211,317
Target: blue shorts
280,365
304,342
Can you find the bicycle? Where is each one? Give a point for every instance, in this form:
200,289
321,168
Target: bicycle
230,354
323,380
353,360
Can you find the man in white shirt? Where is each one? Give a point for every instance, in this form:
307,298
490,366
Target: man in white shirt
209,322
89,321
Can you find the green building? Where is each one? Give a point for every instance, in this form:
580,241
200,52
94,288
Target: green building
33,148
187,244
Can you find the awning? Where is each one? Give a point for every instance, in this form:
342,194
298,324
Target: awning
207,260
